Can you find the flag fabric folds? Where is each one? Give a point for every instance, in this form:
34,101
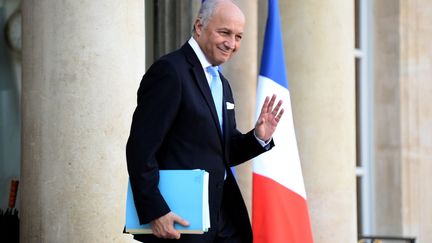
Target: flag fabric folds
279,205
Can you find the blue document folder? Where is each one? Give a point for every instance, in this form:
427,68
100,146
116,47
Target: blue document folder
186,193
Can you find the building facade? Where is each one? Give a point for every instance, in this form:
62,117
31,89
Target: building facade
359,74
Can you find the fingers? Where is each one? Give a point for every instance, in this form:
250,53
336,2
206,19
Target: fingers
163,227
279,116
276,109
264,108
165,232
271,103
181,221
269,118
268,104
267,107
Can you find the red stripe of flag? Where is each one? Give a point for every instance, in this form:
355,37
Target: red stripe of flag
286,209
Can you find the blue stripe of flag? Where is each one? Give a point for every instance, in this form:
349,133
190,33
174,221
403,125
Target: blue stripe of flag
272,60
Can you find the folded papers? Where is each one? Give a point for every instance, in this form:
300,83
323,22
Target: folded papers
186,193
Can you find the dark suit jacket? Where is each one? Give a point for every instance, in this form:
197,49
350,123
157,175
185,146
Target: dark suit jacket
175,126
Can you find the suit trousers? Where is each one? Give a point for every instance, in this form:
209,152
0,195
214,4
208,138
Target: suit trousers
227,230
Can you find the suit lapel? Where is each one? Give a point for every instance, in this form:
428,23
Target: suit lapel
201,81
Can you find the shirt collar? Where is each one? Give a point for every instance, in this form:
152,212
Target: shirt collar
200,54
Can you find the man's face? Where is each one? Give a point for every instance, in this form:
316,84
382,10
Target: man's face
220,39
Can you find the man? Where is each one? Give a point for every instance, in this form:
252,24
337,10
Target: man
176,125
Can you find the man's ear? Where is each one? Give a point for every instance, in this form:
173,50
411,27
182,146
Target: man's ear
198,26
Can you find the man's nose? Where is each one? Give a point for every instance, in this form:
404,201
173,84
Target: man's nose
230,42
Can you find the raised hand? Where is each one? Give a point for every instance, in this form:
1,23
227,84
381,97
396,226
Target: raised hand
268,118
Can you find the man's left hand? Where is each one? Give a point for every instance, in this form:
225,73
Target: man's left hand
268,118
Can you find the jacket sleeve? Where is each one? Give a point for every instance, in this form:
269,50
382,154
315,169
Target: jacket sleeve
241,147
244,147
158,101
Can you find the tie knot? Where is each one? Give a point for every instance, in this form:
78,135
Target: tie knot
213,71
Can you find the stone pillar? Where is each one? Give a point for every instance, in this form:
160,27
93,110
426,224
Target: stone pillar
319,46
242,72
82,64
403,114
416,116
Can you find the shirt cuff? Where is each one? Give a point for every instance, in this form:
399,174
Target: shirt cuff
264,144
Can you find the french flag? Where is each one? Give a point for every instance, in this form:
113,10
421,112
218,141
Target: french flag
279,206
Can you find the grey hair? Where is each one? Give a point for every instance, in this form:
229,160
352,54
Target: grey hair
206,11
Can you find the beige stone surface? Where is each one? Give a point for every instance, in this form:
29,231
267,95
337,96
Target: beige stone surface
416,117
319,44
82,63
403,118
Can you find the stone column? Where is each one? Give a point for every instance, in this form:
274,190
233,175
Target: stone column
319,46
416,116
242,72
403,118
82,63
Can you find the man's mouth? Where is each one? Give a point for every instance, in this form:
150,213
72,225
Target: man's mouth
225,51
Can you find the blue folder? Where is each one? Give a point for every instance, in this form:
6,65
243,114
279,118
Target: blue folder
186,193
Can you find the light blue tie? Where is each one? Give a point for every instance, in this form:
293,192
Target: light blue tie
216,90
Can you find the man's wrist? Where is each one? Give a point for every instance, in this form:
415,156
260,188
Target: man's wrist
264,144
